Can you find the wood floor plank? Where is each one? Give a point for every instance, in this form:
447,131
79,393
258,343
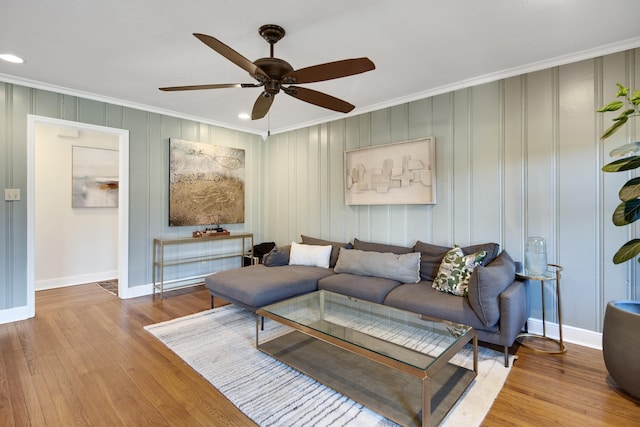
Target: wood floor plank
85,359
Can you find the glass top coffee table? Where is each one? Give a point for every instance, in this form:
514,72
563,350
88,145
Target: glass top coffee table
392,361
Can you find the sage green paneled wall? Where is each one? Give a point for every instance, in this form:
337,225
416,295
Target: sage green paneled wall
149,135
514,158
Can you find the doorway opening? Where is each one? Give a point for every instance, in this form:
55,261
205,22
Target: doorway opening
119,139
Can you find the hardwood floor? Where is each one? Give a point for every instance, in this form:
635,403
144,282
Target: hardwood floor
571,389
85,359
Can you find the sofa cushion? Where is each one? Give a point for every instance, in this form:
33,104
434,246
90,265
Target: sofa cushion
492,250
423,299
311,255
258,285
404,268
368,288
431,256
430,259
380,247
277,256
335,247
455,271
486,285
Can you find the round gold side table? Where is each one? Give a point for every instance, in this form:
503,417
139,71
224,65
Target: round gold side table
528,339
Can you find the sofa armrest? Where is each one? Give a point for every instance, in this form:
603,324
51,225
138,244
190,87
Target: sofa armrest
514,311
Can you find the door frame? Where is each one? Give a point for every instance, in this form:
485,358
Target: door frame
123,200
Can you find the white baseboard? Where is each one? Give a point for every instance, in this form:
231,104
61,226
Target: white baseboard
136,291
570,334
15,314
132,292
143,290
82,279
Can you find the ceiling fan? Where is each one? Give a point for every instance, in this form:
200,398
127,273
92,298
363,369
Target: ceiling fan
274,74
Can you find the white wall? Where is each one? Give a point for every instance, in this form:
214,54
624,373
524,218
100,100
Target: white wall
72,245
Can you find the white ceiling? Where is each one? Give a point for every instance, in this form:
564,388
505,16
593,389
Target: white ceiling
123,51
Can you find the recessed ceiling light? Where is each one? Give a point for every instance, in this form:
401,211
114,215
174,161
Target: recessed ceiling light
11,58
244,116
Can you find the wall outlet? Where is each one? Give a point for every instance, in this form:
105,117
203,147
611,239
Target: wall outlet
11,194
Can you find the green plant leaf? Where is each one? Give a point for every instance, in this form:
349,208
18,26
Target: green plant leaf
627,212
612,106
635,98
629,250
628,163
630,190
622,90
626,113
614,127
625,150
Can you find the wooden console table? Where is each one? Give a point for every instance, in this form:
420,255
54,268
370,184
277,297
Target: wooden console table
160,261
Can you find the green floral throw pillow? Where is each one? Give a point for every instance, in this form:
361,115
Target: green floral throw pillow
455,271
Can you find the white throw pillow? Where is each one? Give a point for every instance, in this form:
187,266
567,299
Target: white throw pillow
311,255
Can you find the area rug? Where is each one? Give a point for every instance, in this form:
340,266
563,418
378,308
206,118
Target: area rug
220,345
110,286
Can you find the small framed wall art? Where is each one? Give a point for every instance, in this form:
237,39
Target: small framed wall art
94,177
392,174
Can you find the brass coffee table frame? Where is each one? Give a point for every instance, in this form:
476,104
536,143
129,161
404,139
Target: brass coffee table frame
371,377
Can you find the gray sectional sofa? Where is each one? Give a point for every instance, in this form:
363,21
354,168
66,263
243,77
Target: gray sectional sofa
495,303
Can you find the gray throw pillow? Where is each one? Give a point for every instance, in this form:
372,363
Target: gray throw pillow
277,256
335,247
486,285
380,247
405,268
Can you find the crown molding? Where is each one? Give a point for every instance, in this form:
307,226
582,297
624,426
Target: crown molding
120,102
586,54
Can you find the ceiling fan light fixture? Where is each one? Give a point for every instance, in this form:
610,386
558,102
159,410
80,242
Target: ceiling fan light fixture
11,58
272,73
244,116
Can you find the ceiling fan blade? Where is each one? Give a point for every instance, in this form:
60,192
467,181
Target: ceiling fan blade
318,98
199,87
233,56
261,106
329,70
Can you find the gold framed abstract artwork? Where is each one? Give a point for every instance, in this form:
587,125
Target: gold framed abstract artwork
206,183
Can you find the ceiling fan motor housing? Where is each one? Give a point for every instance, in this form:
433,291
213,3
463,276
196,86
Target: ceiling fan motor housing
275,68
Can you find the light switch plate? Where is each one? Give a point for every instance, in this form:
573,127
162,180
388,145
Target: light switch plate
11,194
